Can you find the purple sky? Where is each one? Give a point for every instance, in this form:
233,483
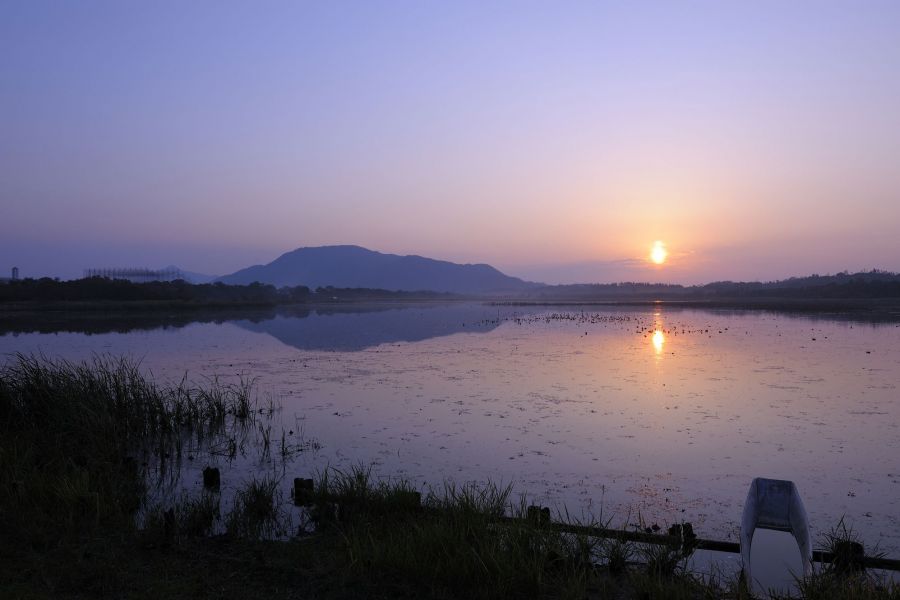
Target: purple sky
556,141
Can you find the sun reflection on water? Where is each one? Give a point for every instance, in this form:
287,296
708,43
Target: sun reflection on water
659,339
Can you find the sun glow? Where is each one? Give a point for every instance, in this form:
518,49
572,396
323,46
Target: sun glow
658,340
658,253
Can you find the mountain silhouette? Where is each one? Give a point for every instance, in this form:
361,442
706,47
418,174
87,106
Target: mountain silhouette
357,267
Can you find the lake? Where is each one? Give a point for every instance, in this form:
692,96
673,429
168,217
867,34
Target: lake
639,415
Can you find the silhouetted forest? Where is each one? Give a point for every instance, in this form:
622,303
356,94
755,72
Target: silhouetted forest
96,289
99,289
871,285
864,285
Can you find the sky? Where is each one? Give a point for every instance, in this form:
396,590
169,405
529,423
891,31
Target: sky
556,141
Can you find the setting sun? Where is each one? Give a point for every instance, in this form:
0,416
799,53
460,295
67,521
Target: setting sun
659,253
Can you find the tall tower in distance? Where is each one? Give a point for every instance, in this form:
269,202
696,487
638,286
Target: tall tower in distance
15,273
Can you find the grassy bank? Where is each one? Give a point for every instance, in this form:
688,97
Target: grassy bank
82,446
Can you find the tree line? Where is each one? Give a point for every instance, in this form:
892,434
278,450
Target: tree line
101,289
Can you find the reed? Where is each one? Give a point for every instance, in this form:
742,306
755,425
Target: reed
258,511
79,442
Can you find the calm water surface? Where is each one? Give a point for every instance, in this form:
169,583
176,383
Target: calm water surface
638,414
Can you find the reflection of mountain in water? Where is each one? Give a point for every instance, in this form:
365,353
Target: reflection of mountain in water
356,326
358,329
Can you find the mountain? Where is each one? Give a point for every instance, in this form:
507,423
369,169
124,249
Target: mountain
357,267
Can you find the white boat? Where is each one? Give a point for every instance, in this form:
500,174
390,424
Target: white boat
775,504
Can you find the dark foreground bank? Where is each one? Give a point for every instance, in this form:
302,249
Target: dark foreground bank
82,446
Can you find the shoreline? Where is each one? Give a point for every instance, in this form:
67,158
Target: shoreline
886,309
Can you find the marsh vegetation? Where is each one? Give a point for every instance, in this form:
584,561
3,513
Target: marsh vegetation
88,452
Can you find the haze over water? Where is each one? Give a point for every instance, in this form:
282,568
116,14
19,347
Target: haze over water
664,414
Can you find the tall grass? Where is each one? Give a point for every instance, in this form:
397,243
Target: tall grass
77,440
449,542
258,511
844,577
188,517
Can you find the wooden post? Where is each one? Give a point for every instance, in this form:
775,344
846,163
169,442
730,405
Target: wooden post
303,491
211,478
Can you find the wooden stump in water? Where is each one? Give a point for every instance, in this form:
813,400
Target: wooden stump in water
849,557
538,514
303,491
211,478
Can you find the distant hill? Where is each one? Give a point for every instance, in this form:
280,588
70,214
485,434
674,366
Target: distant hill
357,267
